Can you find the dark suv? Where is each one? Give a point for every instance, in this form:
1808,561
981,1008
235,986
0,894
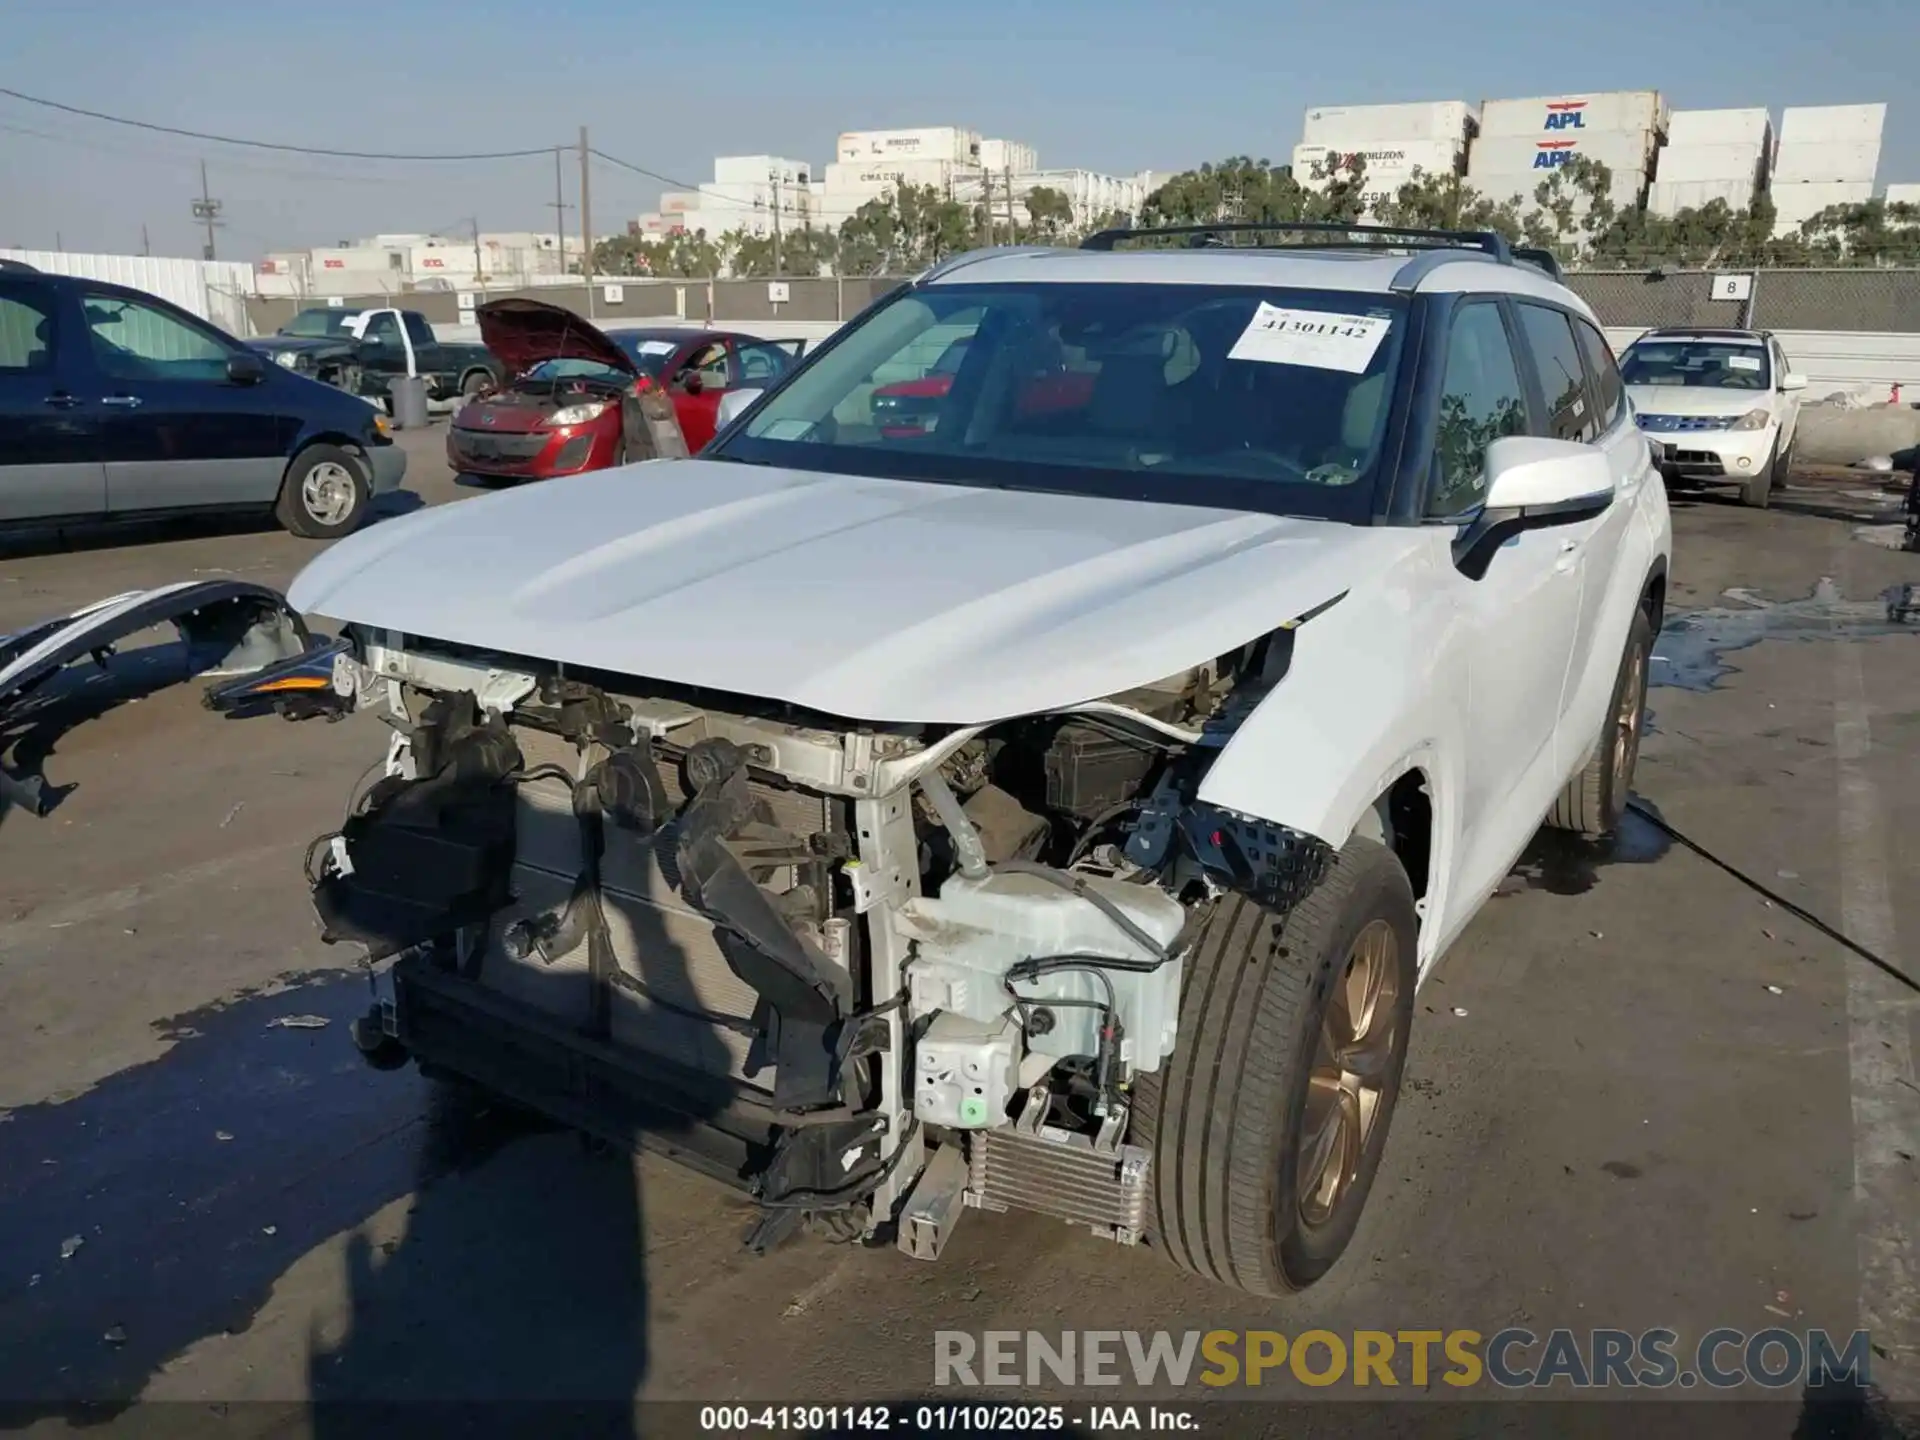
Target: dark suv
115,404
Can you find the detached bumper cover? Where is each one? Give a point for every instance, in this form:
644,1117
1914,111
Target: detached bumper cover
240,627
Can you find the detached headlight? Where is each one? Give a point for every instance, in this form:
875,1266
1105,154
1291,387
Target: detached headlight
288,358
576,414
1753,420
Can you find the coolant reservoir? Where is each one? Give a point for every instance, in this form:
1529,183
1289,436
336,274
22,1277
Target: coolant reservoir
969,936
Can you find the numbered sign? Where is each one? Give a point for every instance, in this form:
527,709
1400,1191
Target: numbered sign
777,292
1732,287
466,300
335,302
614,294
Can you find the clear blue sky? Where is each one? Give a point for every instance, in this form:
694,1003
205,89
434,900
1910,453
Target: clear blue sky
1117,85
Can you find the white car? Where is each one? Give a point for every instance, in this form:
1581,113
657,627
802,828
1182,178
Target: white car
1716,405
1054,804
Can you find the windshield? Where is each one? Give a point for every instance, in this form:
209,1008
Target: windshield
1229,396
1713,364
649,353
576,370
318,324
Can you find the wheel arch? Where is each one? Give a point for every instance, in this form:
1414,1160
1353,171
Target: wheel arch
1653,595
337,438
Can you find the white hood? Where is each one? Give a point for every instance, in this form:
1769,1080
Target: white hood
867,599
1695,400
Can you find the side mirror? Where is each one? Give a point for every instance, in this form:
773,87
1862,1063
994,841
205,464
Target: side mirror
1532,483
732,404
692,383
245,370
1793,380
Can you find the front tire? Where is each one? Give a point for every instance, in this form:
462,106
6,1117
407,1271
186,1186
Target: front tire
325,493
1758,491
1595,800
1268,1121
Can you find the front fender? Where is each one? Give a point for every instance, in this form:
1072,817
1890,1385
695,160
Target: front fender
1372,691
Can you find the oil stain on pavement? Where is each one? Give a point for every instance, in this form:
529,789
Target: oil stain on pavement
1689,651
161,1206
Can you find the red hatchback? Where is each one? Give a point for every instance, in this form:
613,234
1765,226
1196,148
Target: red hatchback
562,413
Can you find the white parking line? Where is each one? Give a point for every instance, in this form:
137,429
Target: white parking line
1880,1017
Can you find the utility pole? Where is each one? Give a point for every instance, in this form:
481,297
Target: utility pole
774,175
206,210
986,201
1013,230
586,224
479,271
560,208
146,248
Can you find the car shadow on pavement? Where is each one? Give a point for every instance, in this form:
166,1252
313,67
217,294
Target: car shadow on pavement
26,543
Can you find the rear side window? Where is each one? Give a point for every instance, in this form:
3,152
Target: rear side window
1481,400
26,334
1563,382
418,330
1609,395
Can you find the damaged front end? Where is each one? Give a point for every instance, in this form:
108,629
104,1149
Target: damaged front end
878,973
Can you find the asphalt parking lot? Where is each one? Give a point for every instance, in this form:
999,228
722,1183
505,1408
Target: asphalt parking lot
1641,1093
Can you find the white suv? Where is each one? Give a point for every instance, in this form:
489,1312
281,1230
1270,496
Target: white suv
1717,406
1054,804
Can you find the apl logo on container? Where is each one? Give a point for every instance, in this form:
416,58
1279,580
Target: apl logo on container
1566,115
1552,154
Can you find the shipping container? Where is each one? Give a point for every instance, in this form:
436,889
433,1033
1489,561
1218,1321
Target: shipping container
940,142
1513,155
1670,197
1832,124
1004,155
1628,189
1357,124
1903,194
1719,127
870,177
744,169
1838,160
1400,156
215,290
1558,115
1711,162
1795,202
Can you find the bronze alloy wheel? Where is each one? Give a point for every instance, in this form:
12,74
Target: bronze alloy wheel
1628,721
1351,1066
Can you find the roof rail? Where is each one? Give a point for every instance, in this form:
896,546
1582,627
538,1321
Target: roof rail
947,266
1202,236
1541,259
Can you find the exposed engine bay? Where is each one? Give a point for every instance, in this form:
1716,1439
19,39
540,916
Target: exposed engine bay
872,974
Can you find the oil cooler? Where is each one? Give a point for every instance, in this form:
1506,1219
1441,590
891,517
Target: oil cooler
1097,1181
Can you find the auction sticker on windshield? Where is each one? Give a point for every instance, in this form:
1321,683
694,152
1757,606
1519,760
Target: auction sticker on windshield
1317,338
1743,362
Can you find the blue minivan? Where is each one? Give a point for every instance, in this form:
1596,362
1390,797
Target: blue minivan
115,404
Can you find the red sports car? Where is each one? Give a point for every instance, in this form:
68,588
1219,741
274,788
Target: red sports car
908,408
562,414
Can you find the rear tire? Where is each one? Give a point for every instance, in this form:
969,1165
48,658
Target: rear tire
325,493
1231,1116
1595,800
475,384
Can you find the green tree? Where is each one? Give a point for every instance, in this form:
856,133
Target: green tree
1049,214
907,228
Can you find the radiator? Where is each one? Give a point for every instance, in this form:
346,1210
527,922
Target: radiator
657,938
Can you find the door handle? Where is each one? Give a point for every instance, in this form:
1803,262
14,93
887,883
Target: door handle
62,401
1569,556
125,402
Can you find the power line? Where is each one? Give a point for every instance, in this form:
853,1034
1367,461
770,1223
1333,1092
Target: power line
189,159
261,144
700,190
